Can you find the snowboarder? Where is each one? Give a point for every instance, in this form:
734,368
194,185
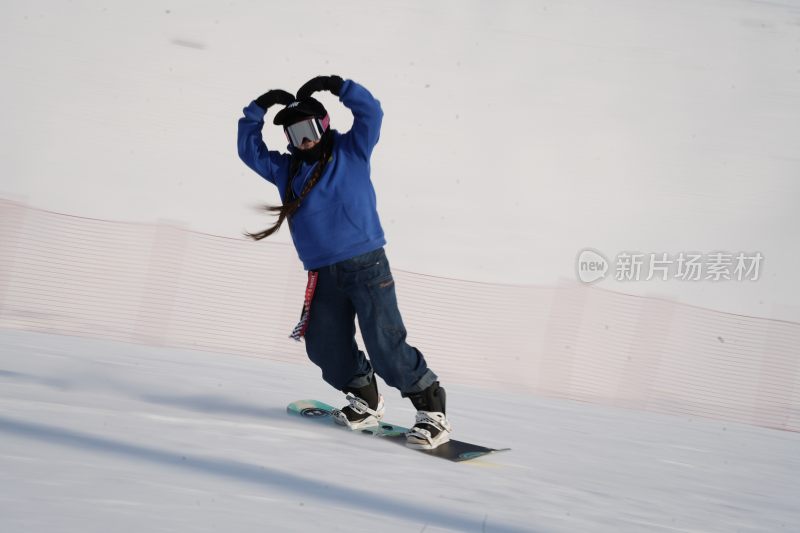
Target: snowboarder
329,201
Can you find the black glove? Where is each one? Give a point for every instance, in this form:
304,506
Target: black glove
320,83
275,96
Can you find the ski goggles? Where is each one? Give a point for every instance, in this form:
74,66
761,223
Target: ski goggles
311,128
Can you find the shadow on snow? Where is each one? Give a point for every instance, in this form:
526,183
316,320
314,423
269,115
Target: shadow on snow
249,473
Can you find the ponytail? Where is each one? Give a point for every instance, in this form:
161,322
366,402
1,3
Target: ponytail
293,202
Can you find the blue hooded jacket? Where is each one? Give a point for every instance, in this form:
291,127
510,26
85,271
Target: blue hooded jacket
338,219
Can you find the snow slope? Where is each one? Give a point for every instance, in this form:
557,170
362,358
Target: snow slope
98,436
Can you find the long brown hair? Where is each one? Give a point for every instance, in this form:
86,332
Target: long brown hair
292,202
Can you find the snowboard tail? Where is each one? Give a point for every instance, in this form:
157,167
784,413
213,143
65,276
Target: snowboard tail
453,450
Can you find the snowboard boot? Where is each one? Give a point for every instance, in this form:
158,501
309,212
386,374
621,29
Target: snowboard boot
431,428
365,409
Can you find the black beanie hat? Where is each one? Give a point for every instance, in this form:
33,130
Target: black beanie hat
298,110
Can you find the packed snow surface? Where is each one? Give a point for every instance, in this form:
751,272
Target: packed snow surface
98,436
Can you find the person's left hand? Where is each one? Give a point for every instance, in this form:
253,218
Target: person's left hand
320,83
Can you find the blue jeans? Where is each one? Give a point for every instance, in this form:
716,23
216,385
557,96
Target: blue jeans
362,286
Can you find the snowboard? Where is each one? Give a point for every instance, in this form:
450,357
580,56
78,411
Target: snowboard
454,450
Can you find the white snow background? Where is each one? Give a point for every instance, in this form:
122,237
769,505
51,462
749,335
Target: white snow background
516,134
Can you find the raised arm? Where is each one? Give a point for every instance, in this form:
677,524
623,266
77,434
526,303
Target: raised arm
366,109
252,149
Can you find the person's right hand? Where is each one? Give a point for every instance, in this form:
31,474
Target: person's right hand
274,96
